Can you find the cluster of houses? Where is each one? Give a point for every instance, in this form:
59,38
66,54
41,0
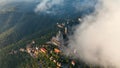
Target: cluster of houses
34,50
13,52
58,40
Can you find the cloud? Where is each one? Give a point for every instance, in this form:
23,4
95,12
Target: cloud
97,39
12,5
80,5
55,6
5,2
45,5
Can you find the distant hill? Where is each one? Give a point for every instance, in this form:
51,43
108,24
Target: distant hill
18,20
21,22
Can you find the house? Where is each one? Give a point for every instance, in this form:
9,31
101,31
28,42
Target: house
36,48
28,50
66,30
13,52
57,50
55,41
73,63
43,50
75,51
21,49
51,58
58,64
36,53
79,19
54,61
60,25
33,42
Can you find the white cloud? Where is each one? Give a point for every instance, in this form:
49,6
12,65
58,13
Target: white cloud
97,39
67,5
5,2
45,5
83,5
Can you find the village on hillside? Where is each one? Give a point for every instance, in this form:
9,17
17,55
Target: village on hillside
52,50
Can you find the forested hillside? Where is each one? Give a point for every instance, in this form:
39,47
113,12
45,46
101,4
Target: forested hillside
20,25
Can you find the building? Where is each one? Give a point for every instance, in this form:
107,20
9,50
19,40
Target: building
55,41
57,50
21,49
43,50
66,30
